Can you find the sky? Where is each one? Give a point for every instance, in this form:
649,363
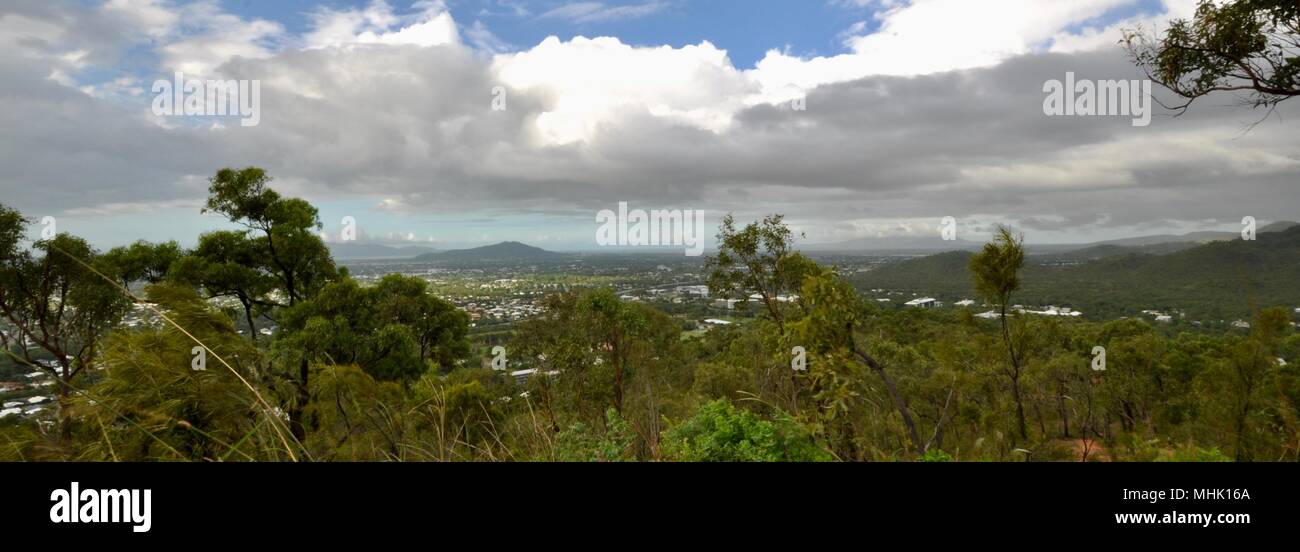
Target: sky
461,123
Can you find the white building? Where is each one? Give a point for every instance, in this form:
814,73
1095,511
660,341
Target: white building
702,291
522,376
965,303
923,303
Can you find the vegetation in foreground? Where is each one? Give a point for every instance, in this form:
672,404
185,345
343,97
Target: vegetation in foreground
387,371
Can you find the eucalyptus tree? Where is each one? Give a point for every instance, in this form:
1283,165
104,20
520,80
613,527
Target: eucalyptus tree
1250,46
286,246
996,274
57,299
142,261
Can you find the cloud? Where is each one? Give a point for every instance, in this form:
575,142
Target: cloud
481,38
431,25
396,110
595,12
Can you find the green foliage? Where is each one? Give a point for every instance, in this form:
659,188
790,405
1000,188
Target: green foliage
719,432
229,264
996,269
721,380
1209,282
1226,47
1197,454
348,324
56,296
285,244
151,402
584,443
142,261
936,455
379,372
757,259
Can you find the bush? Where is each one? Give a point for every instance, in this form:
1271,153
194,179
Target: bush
720,432
936,455
582,443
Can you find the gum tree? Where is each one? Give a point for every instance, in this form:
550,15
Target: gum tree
56,298
1250,46
142,261
285,242
996,273
760,259
225,264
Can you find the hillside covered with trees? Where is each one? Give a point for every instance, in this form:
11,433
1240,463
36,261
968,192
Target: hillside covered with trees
387,371
1220,280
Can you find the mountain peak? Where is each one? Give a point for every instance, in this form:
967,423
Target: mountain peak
504,251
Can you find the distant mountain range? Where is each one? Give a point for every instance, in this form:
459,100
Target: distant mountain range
504,251
359,251
1153,244
1160,244
1220,279
1197,237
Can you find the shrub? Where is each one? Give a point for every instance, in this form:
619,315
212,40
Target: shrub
720,432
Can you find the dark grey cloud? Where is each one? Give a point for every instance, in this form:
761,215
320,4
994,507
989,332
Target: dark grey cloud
416,126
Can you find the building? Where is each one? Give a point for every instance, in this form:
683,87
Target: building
923,303
701,291
717,322
522,376
965,303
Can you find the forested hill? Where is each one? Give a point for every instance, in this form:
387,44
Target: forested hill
1213,281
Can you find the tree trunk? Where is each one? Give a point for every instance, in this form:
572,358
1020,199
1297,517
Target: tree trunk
65,416
896,398
1015,371
1065,414
296,424
1020,406
248,315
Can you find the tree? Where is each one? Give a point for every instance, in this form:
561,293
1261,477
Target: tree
996,272
836,314
57,300
153,401
286,244
142,261
284,229
758,259
596,346
342,325
1238,46
225,264
440,328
